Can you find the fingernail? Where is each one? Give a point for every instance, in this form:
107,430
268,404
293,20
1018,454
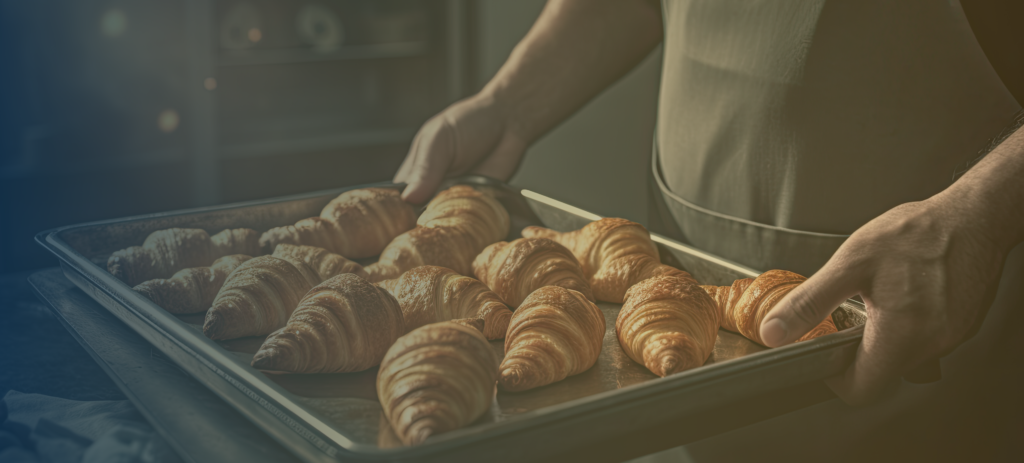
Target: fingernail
773,332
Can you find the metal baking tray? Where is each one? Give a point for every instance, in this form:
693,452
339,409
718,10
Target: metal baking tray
336,417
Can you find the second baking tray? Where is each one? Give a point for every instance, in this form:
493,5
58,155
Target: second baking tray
337,417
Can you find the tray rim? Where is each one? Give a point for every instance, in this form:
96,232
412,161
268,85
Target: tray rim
334,443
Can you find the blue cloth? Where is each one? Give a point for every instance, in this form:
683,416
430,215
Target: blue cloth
46,429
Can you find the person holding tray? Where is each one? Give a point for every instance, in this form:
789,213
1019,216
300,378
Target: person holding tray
869,144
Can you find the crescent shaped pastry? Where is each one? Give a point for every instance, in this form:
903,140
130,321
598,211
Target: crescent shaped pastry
437,378
326,264
515,269
356,224
456,225
483,218
555,333
344,324
744,304
615,254
430,294
668,324
258,297
165,252
191,290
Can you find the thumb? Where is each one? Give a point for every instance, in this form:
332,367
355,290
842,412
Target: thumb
809,303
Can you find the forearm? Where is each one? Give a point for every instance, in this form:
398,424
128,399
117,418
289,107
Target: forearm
576,49
993,191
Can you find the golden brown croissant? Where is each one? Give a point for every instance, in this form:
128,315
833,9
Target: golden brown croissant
344,324
191,290
745,303
447,247
555,334
166,251
327,264
356,224
515,269
437,378
430,294
483,218
615,254
258,297
668,324
457,224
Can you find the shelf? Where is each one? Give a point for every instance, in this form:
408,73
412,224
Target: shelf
318,143
298,55
91,166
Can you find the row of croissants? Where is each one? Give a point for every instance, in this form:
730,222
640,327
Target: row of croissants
444,285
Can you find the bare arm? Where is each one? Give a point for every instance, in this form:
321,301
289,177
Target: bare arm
575,50
927,271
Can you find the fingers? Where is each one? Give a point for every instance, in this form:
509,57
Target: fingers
403,171
889,348
808,304
428,162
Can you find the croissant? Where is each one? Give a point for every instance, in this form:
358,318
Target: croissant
744,304
457,224
462,206
356,224
191,290
555,334
166,251
448,247
515,269
344,324
327,264
667,324
258,297
615,254
435,379
430,294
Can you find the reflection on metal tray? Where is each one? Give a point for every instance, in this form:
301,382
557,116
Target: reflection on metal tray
337,416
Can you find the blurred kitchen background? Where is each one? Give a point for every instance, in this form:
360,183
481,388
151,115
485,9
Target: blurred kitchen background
117,108
110,108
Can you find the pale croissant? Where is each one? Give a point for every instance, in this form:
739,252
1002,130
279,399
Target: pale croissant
554,334
356,224
667,324
191,290
745,303
167,251
327,264
615,254
258,297
515,269
430,294
344,324
437,378
457,224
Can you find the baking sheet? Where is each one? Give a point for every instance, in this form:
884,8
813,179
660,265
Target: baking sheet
339,414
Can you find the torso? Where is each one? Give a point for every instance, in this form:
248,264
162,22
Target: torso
818,116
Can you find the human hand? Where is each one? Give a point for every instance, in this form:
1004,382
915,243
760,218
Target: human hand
472,135
927,272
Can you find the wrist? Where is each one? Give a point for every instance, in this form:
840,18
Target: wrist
991,195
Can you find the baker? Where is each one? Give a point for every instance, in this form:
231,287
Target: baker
867,143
